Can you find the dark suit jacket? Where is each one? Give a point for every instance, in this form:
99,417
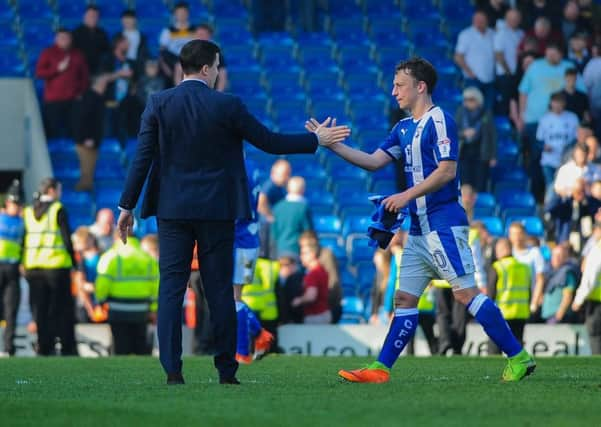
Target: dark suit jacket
191,142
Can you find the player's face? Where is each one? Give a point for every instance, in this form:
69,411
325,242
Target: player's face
404,89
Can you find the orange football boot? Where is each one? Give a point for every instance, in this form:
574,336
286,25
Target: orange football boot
245,360
374,373
263,343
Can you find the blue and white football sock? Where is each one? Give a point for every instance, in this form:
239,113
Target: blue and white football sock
490,317
254,325
243,342
401,331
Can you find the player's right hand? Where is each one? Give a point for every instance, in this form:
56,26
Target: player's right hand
328,133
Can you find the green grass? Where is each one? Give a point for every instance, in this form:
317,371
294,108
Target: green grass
297,391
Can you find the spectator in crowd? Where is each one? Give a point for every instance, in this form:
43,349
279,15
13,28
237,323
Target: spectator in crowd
590,14
531,256
532,10
589,292
544,77
48,262
560,284
91,39
103,228
314,299
495,10
475,55
12,230
65,76
126,110
150,83
577,168
477,139
128,281
290,287
506,41
509,285
594,151
577,50
292,218
88,129
524,61
572,22
137,47
87,254
556,131
592,81
328,261
173,38
487,245
576,100
272,191
543,35
150,245
569,212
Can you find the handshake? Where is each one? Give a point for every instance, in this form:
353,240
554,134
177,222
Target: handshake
327,132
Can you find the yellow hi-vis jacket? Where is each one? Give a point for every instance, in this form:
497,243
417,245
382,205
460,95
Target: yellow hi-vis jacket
260,295
44,246
128,280
513,288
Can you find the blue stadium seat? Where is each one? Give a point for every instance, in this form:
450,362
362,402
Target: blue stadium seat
383,187
366,273
355,224
493,224
352,310
381,8
507,152
348,171
343,8
358,249
109,169
486,205
327,224
107,198
70,10
507,174
34,10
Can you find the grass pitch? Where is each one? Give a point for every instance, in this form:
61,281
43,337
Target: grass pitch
297,391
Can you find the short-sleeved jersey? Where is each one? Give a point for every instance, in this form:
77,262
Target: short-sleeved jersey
421,145
247,230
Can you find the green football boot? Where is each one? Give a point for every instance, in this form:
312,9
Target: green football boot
519,366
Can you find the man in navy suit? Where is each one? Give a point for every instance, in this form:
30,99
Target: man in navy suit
190,148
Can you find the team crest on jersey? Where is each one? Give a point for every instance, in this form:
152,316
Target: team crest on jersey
444,147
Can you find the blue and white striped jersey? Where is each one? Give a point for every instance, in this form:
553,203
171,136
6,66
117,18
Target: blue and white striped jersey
422,145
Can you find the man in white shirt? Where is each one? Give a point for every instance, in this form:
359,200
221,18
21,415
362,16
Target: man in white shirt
506,41
577,168
556,130
589,291
532,257
475,55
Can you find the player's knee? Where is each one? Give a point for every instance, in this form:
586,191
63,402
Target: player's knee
464,296
404,300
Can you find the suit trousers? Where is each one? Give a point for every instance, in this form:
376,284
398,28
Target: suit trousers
53,309
216,261
10,296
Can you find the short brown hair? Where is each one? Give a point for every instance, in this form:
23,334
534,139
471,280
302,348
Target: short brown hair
421,70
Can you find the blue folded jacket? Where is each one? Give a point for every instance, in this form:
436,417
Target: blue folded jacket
384,223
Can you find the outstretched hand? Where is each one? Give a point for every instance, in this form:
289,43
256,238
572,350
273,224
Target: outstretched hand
327,132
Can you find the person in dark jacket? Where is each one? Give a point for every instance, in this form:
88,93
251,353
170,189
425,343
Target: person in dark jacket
91,39
477,139
48,257
88,124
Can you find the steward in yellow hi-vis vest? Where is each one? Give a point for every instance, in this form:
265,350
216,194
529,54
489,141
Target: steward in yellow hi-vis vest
509,286
128,281
48,258
260,295
12,230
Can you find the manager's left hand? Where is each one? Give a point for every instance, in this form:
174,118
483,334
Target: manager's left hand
396,202
124,224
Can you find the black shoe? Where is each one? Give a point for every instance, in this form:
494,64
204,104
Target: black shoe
175,379
232,381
